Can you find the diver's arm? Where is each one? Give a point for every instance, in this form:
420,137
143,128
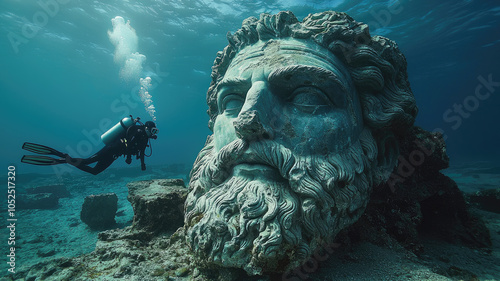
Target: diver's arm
131,138
143,144
143,165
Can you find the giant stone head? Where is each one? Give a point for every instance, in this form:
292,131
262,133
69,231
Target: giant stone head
305,117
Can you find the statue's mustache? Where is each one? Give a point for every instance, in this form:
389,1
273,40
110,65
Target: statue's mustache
266,152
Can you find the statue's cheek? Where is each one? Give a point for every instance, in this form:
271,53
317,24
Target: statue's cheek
321,134
224,132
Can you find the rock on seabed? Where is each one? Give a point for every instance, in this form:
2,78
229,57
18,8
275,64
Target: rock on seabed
98,211
158,204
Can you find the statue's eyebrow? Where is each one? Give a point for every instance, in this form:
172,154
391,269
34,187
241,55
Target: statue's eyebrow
233,82
289,75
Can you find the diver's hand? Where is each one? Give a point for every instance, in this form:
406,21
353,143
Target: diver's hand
143,166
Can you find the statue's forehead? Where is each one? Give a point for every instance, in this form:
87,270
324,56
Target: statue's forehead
267,56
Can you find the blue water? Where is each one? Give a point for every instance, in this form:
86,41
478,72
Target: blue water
61,87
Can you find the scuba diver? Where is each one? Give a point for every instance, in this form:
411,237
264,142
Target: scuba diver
128,137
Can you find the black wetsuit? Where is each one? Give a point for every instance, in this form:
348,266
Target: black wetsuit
134,142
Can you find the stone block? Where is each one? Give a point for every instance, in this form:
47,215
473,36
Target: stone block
98,211
158,204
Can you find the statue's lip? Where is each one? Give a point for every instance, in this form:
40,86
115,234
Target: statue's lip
250,165
250,158
254,166
253,170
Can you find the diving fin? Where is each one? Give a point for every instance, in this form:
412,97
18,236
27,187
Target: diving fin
42,149
41,160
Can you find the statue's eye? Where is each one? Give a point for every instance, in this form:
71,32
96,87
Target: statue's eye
309,99
232,103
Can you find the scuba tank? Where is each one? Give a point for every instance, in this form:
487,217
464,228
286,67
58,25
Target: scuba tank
118,130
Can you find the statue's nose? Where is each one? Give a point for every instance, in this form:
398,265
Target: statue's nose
252,120
249,127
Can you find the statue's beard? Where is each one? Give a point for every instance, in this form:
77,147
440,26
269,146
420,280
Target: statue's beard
272,224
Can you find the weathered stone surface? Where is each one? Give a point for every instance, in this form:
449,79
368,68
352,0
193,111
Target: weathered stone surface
58,190
158,204
37,201
421,201
98,211
488,200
